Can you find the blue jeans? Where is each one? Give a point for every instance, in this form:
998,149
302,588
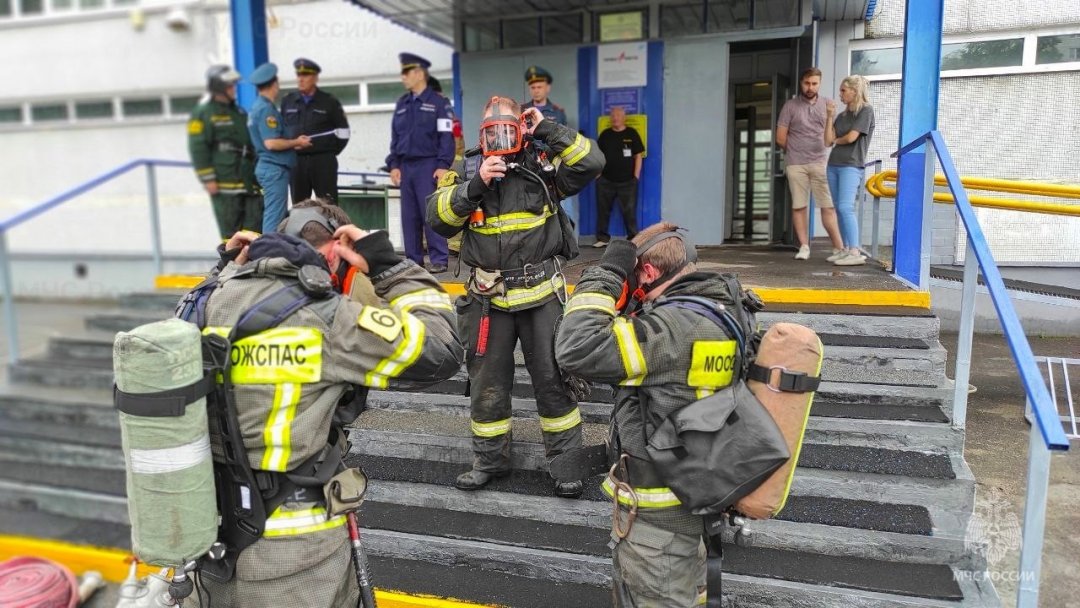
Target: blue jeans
274,180
844,185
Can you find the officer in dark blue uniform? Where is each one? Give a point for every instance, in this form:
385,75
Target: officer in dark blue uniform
421,151
313,112
539,81
276,152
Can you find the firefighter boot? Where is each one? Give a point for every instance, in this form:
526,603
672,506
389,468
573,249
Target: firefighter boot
474,480
568,489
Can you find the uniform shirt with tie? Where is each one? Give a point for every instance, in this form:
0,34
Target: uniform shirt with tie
314,114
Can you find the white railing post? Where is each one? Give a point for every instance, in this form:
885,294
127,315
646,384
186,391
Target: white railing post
9,301
963,339
1038,481
155,219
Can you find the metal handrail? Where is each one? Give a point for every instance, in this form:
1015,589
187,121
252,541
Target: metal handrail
1051,435
875,185
36,210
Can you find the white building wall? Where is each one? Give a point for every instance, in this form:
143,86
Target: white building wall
969,16
98,55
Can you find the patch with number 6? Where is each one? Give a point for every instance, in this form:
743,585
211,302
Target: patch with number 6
380,321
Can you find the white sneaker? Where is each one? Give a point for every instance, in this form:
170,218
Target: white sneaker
599,244
836,255
804,253
851,259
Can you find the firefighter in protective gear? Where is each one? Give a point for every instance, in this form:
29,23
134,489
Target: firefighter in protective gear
515,240
290,380
223,156
659,360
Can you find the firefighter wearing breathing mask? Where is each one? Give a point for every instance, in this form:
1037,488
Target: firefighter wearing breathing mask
515,240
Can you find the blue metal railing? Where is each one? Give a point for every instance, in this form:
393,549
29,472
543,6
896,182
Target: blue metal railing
56,201
1050,435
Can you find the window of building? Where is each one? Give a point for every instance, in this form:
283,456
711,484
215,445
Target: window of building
384,92
348,95
682,19
985,54
1058,49
520,33
182,105
143,107
5,8
98,108
728,15
31,7
61,5
10,114
562,29
47,112
91,4
873,62
775,13
481,35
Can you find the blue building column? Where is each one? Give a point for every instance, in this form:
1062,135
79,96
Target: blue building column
918,114
248,19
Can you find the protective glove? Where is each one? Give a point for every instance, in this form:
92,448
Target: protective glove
379,253
620,257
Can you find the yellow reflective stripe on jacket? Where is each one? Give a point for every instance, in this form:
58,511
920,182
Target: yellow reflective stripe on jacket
275,356
647,498
406,353
490,429
590,301
446,212
510,222
525,295
429,298
277,434
561,423
576,151
701,393
230,184
630,351
205,171
304,521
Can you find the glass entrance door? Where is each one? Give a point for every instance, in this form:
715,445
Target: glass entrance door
752,162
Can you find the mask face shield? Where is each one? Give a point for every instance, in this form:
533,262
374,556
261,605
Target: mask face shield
500,135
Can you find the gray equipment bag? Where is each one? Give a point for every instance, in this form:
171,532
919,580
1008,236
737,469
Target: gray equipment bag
716,450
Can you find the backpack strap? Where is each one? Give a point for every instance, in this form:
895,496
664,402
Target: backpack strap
779,379
713,311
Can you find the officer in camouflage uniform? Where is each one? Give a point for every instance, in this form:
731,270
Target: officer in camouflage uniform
222,154
656,357
287,404
515,248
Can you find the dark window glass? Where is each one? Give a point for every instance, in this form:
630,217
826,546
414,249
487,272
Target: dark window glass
348,94
11,114
1058,49
775,13
61,5
143,107
31,7
518,33
481,36
46,112
873,62
728,15
986,54
385,92
180,105
5,8
562,29
91,3
682,20
94,109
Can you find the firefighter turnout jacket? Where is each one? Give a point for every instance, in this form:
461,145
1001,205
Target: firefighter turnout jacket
289,381
663,358
521,225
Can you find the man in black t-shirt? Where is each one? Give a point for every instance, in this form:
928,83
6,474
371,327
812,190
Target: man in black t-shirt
622,148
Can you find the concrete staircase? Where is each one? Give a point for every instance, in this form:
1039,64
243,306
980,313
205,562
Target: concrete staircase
877,516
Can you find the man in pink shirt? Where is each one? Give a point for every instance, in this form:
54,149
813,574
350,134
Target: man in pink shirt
800,131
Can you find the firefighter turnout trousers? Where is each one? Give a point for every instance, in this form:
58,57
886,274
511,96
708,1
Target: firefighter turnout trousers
492,379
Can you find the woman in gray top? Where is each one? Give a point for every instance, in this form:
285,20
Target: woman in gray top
851,132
